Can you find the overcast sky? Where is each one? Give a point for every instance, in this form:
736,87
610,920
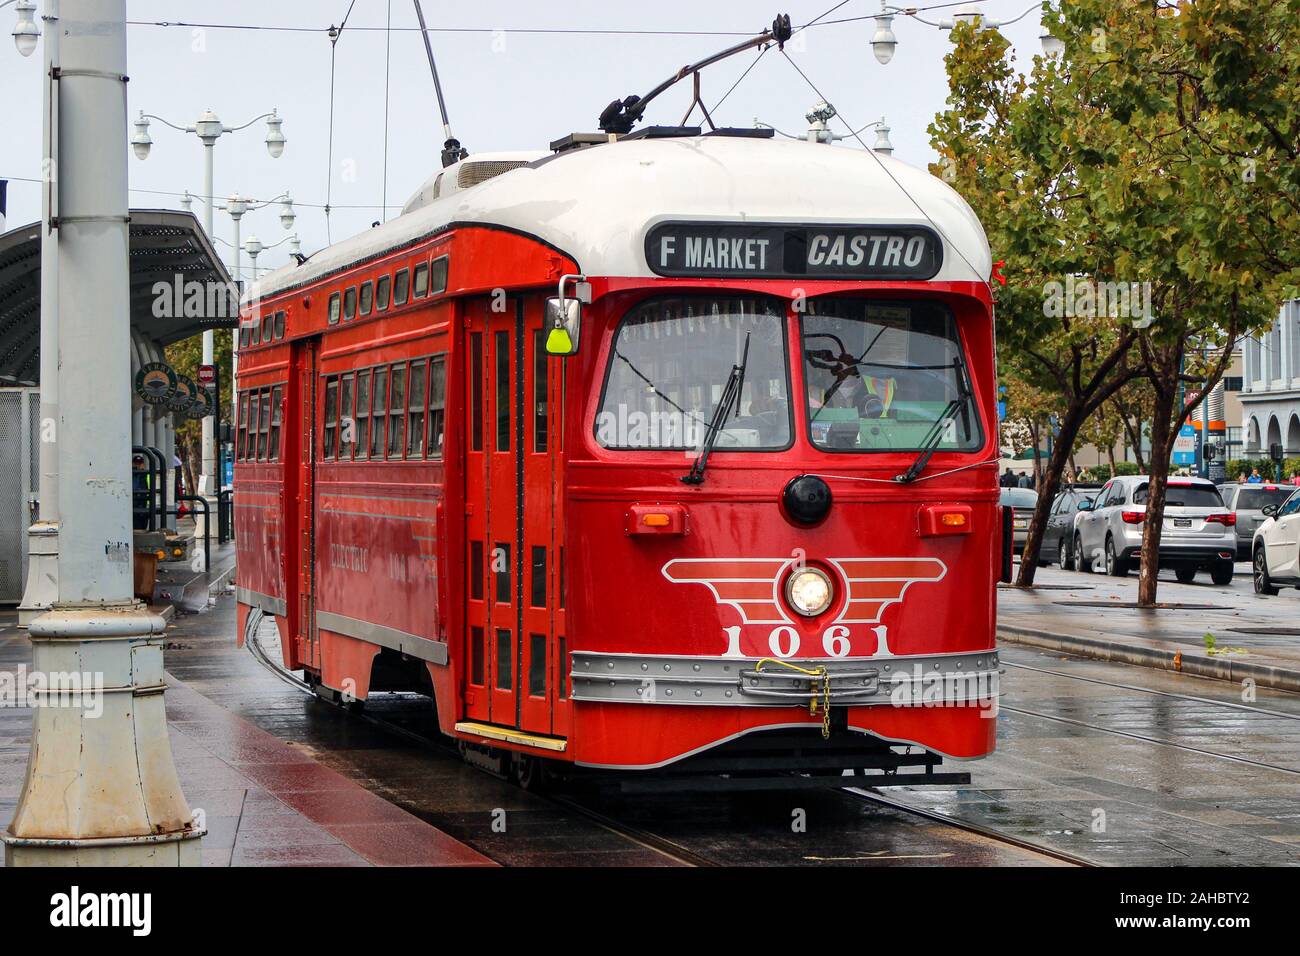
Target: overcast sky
505,89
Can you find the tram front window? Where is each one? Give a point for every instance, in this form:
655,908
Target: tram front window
879,376
671,360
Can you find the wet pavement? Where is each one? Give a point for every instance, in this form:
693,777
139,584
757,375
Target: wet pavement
1116,764
264,802
1255,637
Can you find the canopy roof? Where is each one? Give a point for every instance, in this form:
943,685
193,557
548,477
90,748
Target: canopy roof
165,244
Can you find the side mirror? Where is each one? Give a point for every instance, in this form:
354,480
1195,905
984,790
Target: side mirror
1269,510
1085,504
564,316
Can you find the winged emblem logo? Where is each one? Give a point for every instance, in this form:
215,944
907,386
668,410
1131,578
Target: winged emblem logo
752,586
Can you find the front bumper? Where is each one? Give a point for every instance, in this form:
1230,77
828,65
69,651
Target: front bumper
963,679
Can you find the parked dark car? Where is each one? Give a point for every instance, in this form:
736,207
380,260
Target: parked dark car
1059,536
1248,501
1022,501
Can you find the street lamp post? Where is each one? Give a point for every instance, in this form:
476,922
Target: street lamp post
209,128
254,247
101,786
884,41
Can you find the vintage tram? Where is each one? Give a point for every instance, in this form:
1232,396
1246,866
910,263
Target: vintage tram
649,452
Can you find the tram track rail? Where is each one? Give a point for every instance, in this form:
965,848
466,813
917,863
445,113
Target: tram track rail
1148,690
637,835
875,796
1144,738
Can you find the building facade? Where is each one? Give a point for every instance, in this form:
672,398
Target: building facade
1270,396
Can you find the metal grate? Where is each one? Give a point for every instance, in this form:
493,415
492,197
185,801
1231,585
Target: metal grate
471,174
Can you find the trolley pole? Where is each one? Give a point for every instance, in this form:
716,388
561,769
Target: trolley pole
101,787
42,584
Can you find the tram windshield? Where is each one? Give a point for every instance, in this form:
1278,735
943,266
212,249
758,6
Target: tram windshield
880,375
671,361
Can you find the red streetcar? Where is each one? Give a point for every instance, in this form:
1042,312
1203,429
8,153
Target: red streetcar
676,451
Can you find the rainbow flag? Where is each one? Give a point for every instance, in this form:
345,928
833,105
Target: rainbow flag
883,389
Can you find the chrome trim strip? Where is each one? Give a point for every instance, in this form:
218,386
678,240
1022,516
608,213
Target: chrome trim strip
272,605
898,680
435,652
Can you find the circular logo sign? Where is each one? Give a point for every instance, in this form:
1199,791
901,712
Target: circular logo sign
155,383
183,397
201,407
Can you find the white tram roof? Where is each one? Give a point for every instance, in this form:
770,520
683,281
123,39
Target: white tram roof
597,203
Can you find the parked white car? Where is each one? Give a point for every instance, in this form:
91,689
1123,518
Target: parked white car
1199,532
1275,552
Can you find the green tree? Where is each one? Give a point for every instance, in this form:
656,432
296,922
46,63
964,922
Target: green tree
185,357
1002,147
1183,177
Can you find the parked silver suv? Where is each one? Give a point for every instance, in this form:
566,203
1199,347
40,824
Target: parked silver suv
1199,531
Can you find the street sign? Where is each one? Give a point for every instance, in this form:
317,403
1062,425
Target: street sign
1185,446
207,376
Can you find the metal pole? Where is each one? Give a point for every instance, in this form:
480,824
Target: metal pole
101,787
43,537
209,446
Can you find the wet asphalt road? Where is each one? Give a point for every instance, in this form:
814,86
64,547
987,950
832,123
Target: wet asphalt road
1164,770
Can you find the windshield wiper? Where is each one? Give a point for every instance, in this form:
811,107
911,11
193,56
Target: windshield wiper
730,397
930,444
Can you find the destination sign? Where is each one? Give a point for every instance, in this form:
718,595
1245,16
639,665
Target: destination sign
775,251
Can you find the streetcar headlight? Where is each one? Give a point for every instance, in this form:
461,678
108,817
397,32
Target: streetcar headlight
809,591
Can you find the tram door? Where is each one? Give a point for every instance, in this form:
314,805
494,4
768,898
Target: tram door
513,561
302,485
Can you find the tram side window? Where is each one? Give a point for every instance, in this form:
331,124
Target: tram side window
382,288
540,368
367,297
378,416
421,283
476,391
263,424
437,404
401,285
279,324
501,571
363,414
255,333
505,660
333,317
536,665
266,327
415,402
273,451
347,424
502,349
331,416
250,448
397,411
350,304
241,435
438,276
243,336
